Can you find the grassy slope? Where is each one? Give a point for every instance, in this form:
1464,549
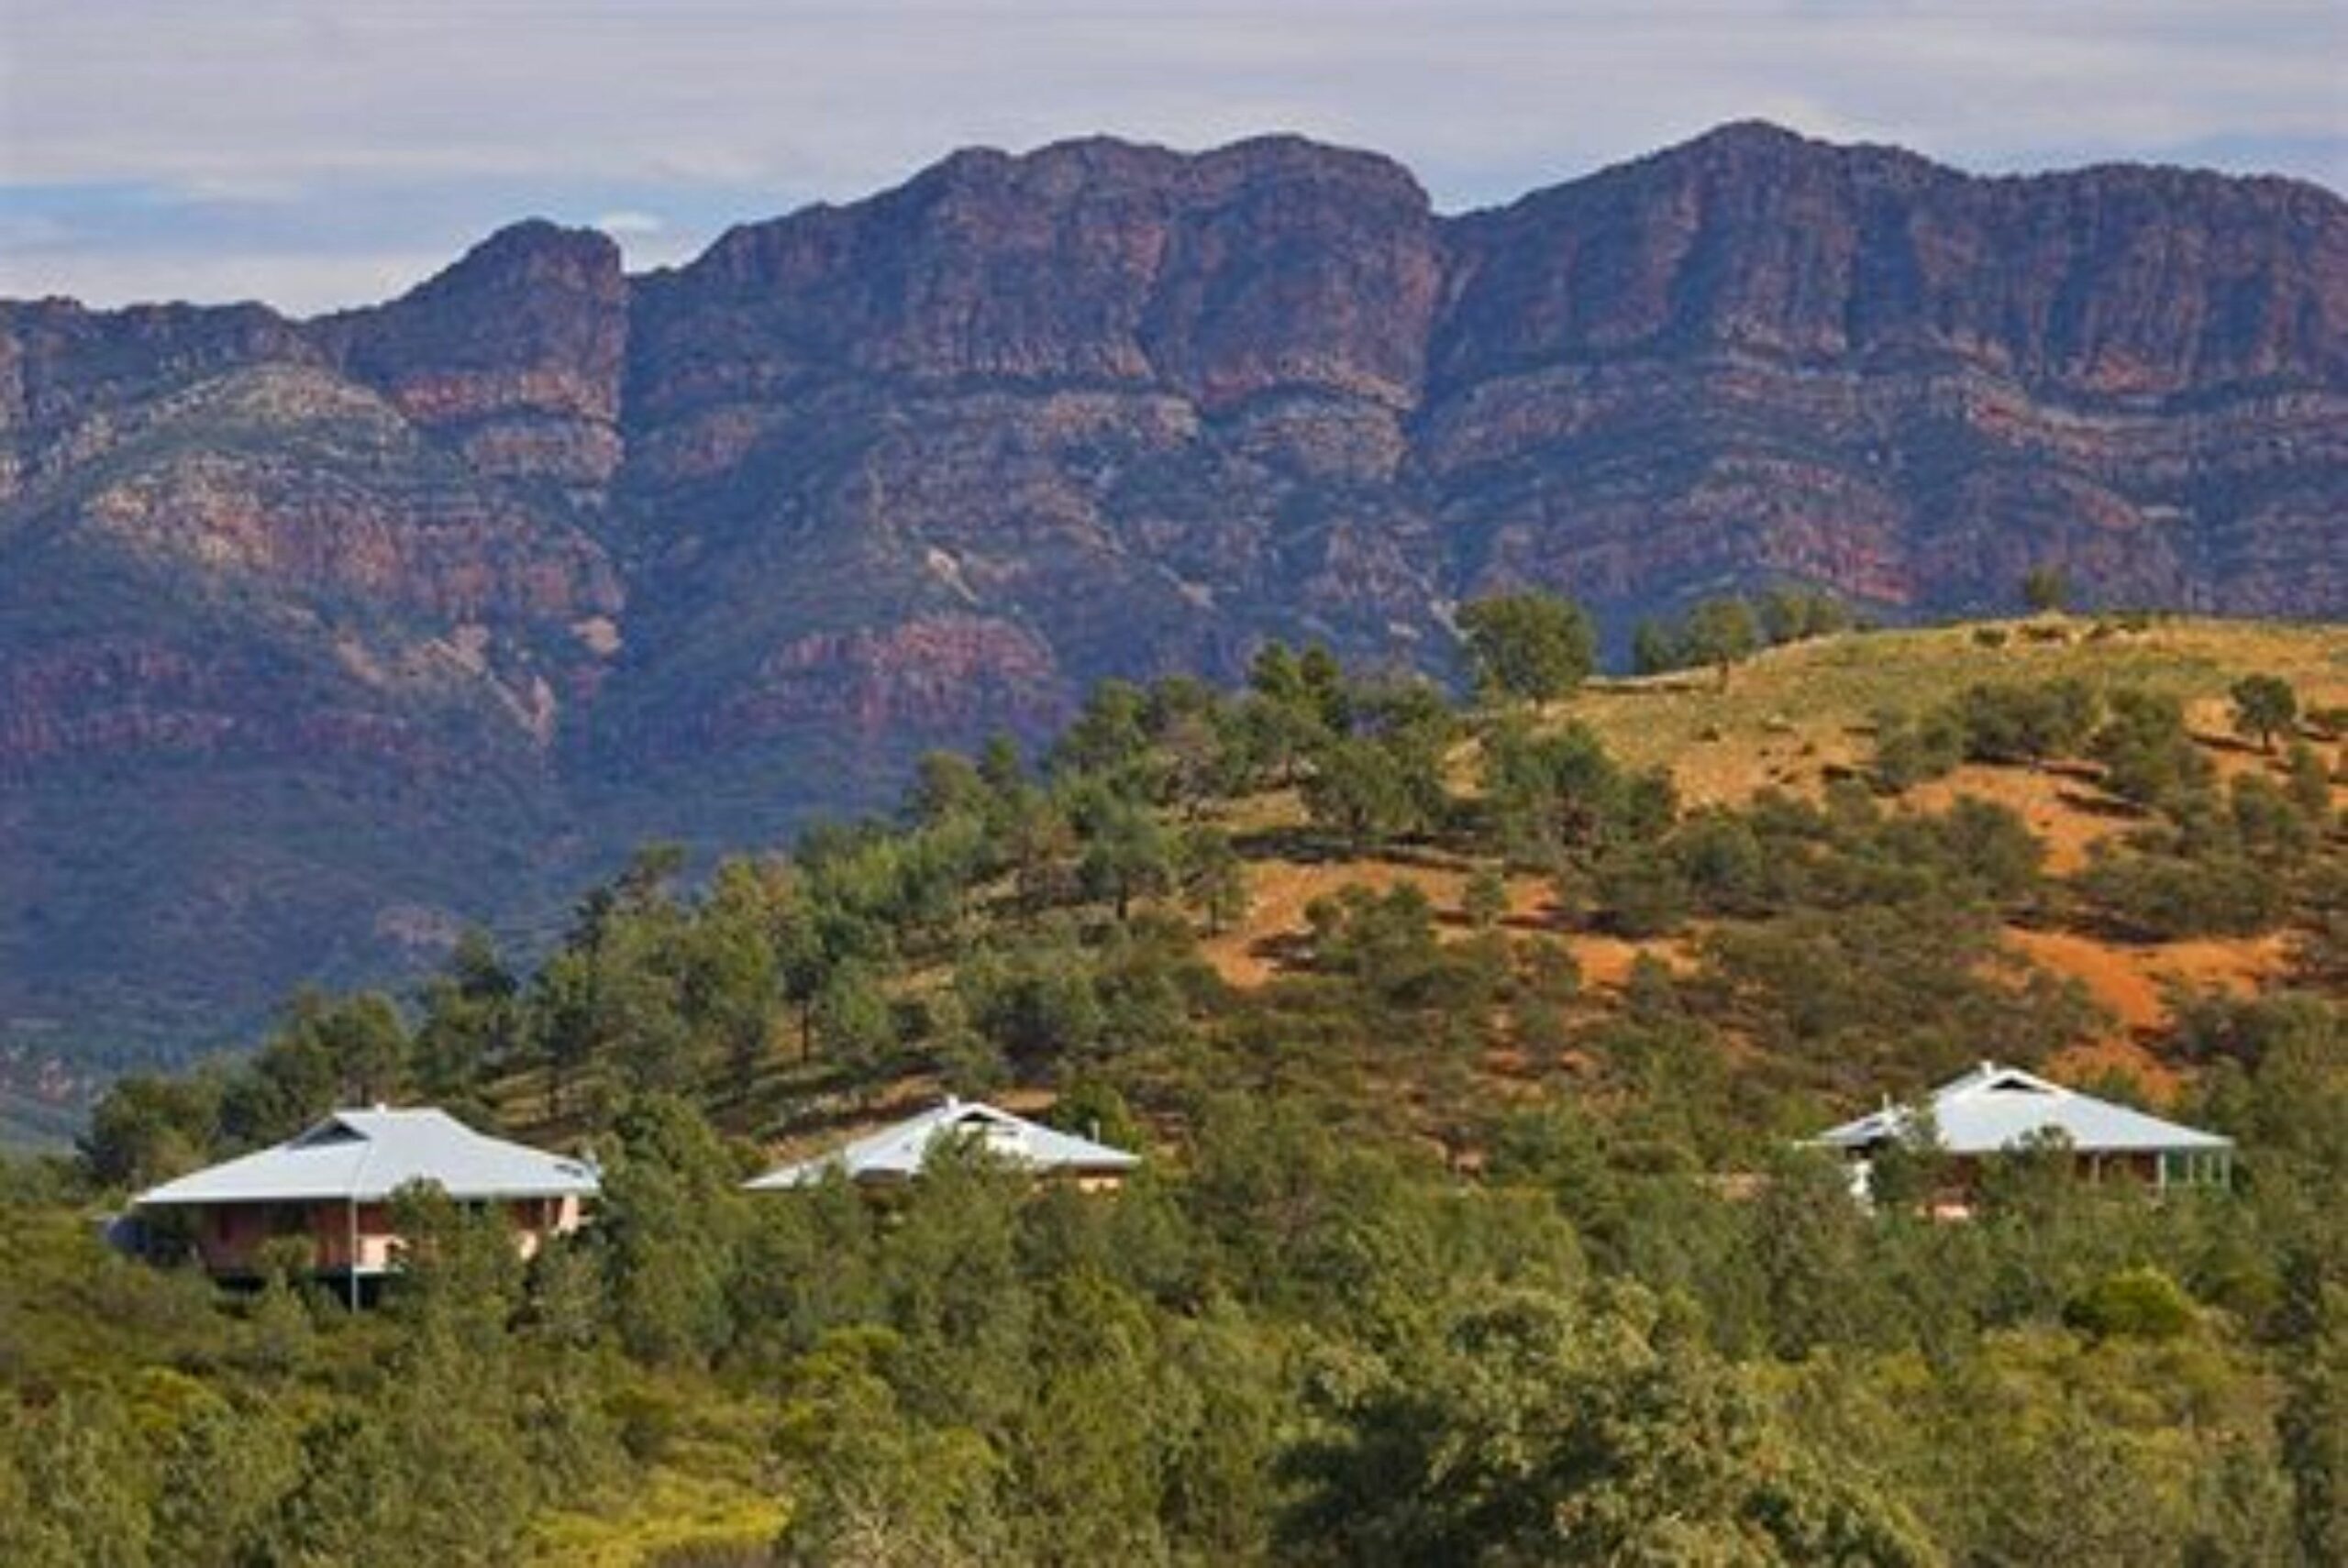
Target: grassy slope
1793,712
1794,715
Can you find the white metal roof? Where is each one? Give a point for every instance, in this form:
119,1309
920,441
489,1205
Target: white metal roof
367,1156
897,1152
1993,1107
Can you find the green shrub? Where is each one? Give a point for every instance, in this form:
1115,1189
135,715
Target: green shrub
2132,1303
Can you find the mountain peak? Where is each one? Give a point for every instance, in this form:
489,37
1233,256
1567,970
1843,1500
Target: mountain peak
531,252
1088,166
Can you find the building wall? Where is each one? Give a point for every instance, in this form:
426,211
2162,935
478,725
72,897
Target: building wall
1960,1189
229,1238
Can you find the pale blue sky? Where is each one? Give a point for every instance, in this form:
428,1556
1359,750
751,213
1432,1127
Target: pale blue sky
319,153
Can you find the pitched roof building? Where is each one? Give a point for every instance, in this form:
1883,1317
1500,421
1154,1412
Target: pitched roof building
332,1185
897,1154
1995,1109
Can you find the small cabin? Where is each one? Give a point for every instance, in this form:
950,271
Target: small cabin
895,1154
1996,1110
332,1187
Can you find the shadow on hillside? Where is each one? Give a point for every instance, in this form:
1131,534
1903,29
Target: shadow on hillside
1284,952
1306,846
2096,803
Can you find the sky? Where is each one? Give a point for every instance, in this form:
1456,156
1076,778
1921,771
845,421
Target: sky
317,153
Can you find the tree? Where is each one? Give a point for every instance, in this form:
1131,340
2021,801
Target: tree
1560,792
82,1469
362,1037
221,1475
563,1018
1641,891
1038,1002
2314,1428
1485,899
291,1082
1529,646
2045,587
2265,706
146,1128
1275,674
471,1023
1911,749
2025,722
1324,679
1185,722
1791,616
1214,877
2132,1303
1107,735
947,784
2310,786
731,979
1127,853
1721,633
1655,648
1356,790
669,1222
1412,721
1807,1238
876,1487
2147,753
1537,1429
853,1021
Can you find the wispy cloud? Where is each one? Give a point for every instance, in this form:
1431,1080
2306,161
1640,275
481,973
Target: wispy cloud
630,224
279,142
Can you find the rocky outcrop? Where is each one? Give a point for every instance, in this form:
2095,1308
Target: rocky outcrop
70,377
513,356
468,588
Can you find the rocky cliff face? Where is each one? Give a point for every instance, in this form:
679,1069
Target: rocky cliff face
463,591
1760,355
511,357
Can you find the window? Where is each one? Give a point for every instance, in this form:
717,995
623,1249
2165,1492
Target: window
2190,1168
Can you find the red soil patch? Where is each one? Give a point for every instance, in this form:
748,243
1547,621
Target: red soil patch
2128,982
1606,960
1280,891
2066,811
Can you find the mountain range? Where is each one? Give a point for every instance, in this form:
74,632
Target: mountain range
320,639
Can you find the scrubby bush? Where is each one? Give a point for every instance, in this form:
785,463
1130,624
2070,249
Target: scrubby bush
2132,1303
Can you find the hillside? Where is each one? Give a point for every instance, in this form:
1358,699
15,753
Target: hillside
1798,723
1799,715
1469,1062
322,639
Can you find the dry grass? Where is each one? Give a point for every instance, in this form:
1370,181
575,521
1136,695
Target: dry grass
1793,714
